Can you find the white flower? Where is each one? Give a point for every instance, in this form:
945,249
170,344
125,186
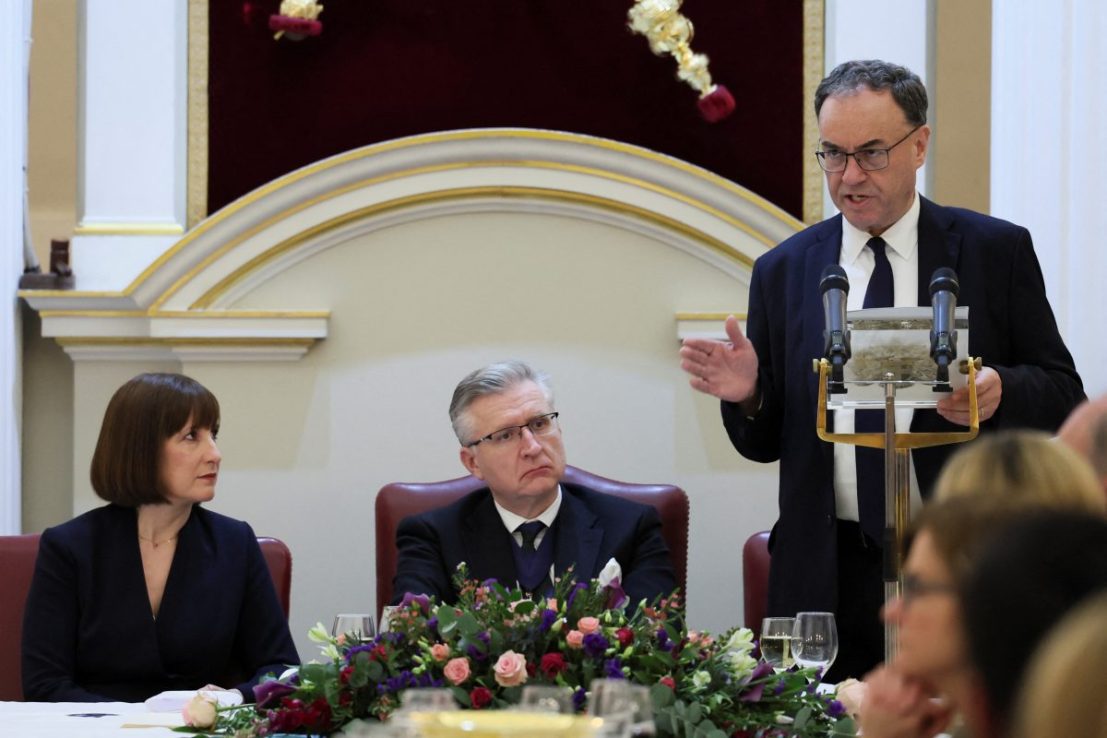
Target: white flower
741,663
611,572
740,640
700,680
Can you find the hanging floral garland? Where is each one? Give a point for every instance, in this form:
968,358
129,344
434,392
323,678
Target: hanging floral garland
298,19
669,32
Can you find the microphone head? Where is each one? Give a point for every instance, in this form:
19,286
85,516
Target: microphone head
834,278
944,279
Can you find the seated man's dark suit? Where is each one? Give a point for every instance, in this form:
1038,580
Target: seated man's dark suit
89,634
591,528
1011,328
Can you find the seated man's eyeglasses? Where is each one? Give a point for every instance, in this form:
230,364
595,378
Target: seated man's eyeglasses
869,159
543,425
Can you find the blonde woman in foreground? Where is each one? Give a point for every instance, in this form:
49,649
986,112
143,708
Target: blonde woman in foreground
1022,467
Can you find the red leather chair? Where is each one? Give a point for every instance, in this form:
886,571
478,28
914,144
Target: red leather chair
755,580
17,561
279,560
398,500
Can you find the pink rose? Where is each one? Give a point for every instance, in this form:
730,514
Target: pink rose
551,603
574,638
588,625
511,669
457,670
199,712
440,652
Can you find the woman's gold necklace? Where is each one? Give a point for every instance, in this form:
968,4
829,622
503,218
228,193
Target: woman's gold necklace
155,543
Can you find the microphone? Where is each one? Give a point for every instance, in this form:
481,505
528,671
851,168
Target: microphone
834,287
943,334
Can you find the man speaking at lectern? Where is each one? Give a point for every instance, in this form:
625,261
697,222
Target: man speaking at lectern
825,544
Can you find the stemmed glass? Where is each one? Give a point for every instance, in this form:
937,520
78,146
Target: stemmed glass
776,642
546,698
358,625
428,699
815,640
626,708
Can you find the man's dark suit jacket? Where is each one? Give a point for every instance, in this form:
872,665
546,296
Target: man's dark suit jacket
592,527
1011,327
89,635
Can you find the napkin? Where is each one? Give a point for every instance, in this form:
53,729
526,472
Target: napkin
174,701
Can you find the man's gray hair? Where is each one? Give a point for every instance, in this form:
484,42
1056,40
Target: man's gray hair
848,77
491,380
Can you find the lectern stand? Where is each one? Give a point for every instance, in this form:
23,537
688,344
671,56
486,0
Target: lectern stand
896,446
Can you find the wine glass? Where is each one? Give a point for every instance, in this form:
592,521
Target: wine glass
356,625
815,640
626,708
427,699
546,698
776,642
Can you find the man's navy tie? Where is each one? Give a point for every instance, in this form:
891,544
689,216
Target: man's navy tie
533,564
870,461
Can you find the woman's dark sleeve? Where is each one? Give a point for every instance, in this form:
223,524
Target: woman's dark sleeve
263,643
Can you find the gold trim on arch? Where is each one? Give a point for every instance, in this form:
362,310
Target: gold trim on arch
128,229
413,172
182,341
287,245
205,314
814,69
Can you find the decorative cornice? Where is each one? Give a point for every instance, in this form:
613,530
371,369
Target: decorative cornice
191,290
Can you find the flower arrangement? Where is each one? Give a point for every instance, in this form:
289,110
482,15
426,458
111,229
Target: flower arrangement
495,640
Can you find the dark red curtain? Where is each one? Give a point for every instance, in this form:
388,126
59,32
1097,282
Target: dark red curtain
382,69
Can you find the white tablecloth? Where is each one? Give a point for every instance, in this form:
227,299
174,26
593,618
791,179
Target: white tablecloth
86,720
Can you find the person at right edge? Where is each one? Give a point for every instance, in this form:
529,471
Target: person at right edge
826,543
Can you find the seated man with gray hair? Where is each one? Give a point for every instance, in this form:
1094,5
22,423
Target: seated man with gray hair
1085,431
527,526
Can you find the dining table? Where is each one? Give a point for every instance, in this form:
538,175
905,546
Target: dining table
86,720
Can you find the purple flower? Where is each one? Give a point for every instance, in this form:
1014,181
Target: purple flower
573,593
269,693
761,670
490,582
416,599
753,695
595,644
834,708
663,641
548,619
613,669
616,595
779,688
579,697
432,625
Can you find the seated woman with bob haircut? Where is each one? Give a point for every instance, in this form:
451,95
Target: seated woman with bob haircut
152,592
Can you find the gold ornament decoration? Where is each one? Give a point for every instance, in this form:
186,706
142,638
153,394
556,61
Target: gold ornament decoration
669,32
298,19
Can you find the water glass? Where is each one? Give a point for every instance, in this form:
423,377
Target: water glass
356,625
626,708
428,699
815,640
546,698
776,642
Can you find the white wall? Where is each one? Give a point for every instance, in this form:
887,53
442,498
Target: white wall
1049,100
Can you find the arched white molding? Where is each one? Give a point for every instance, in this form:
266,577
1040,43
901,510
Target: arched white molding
183,301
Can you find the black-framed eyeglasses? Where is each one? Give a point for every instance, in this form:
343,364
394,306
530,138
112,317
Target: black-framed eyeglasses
914,588
543,425
868,159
